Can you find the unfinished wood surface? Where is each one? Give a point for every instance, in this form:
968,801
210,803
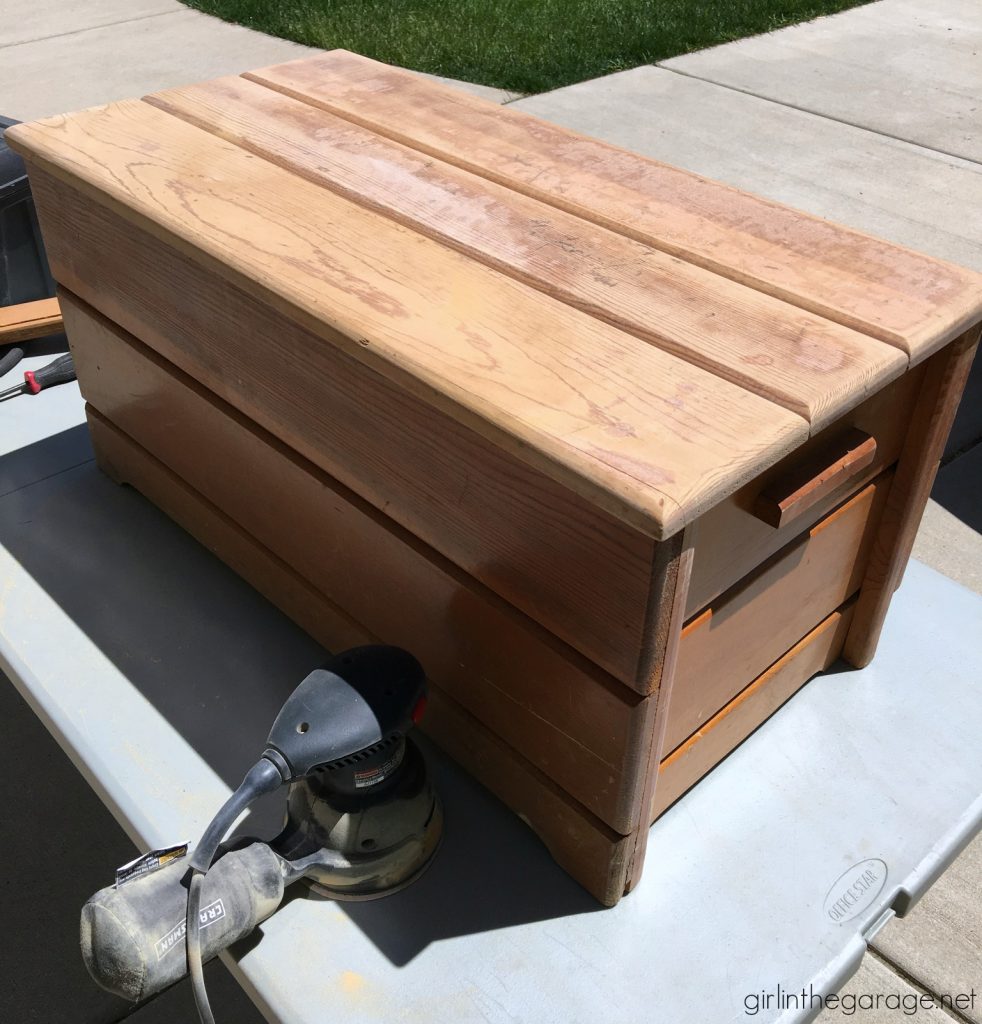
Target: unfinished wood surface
733,541
125,462
752,625
581,844
583,574
935,412
637,431
802,361
582,728
728,728
912,301
596,857
27,320
657,709
788,497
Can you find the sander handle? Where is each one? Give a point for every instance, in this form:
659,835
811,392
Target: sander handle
133,938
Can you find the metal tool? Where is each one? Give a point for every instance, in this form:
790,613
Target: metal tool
10,360
58,371
362,821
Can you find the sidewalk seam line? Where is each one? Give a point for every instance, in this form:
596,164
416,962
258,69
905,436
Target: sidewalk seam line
93,28
913,981
815,113
50,476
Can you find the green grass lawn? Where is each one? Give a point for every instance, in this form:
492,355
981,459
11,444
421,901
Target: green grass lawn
524,45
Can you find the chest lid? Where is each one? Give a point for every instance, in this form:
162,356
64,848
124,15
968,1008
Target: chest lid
649,338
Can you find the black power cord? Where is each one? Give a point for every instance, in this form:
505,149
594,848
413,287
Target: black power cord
263,777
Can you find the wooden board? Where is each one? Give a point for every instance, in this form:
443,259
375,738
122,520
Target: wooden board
579,726
592,853
644,435
705,748
907,299
937,404
733,541
27,320
801,361
752,625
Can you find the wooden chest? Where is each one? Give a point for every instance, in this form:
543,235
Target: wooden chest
623,455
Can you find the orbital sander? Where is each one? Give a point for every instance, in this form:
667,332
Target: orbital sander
362,821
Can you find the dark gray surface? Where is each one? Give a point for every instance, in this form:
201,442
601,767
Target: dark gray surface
967,429
60,845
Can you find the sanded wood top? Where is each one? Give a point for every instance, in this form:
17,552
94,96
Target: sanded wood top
651,339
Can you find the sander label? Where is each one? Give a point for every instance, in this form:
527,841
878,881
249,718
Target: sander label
149,862
379,773
206,916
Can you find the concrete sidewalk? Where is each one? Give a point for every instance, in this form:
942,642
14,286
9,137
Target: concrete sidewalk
57,56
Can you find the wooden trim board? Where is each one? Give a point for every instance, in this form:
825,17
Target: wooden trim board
27,320
947,374
729,727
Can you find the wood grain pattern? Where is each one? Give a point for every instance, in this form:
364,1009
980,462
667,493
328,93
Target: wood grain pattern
596,857
728,728
937,404
801,361
638,432
657,709
733,541
581,844
751,626
909,300
578,571
27,320
577,725
788,497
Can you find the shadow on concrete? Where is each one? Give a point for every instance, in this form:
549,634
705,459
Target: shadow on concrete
61,845
958,487
967,428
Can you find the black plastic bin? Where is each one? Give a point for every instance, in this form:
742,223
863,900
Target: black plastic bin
24,273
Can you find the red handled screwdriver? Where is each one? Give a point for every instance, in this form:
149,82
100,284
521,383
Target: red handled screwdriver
59,371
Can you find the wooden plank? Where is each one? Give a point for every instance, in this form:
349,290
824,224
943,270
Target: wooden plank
733,541
578,571
648,437
657,709
579,726
803,362
907,299
27,320
752,625
594,856
788,497
592,853
935,412
728,728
